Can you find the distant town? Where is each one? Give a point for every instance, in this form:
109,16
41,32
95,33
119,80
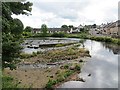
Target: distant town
109,29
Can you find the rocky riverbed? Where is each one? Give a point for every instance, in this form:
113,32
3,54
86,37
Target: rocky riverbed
36,71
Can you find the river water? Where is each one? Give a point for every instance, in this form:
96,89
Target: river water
102,67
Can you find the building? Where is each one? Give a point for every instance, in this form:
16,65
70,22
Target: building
57,30
76,29
51,30
110,29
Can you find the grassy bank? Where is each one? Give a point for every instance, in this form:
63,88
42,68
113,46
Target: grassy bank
82,36
106,39
9,82
63,74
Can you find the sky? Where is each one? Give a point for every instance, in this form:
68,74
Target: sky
55,13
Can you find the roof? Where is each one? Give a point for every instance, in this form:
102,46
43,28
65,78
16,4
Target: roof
51,29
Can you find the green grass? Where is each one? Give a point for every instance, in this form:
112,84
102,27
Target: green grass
8,82
78,35
62,75
106,39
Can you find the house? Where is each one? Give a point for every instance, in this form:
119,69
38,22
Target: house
57,30
51,30
36,30
110,29
76,29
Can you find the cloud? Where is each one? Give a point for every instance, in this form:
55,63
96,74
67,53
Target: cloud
54,13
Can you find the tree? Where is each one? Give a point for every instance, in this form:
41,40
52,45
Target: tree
28,29
64,26
27,32
94,25
70,26
44,29
12,30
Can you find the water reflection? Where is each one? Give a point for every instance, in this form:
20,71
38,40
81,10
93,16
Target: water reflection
103,67
114,48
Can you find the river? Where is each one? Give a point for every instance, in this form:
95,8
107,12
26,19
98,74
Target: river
101,70
102,67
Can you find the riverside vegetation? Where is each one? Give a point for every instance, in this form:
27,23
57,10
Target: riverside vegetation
52,76
82,35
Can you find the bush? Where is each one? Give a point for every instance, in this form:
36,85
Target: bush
60,78
34,54
39,52
41,35
7,82
68,73
61,34
77,67
66,66
51,83
108,39
25,55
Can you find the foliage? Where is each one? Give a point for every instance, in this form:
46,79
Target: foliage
7,82
79,35
44,29
50,83
12,31
60,77
27,34
66,66
70,26
106,39
41,35
61,34
64,27
77,67
59,45
94,25
28,29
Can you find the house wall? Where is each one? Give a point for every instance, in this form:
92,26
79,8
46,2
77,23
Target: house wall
114,31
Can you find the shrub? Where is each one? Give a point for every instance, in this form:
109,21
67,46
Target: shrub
51,83
68,73
39,52
66,66
77,67
61,34
34,54
25,55
108,39
7,82
60,78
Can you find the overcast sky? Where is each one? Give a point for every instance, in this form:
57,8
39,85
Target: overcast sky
55,13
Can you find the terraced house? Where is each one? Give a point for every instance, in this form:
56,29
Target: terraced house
111,29
51,30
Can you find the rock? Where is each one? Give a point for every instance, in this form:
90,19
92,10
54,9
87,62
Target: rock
51,76
89,74
72,67
61,67
81,60
80,79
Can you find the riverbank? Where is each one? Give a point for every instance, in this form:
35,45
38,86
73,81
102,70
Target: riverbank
54,55
84,36
37,77
102,38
